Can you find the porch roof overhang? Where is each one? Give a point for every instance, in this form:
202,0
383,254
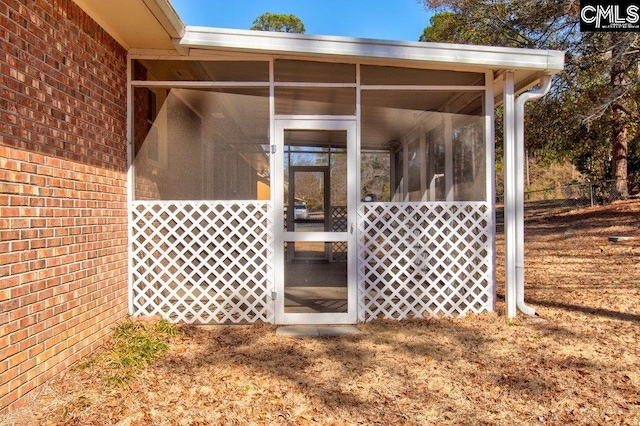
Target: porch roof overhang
527,65
137,24
456,57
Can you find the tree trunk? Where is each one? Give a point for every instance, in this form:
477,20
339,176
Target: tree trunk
620,119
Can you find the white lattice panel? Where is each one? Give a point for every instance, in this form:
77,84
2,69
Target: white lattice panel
203,262
339,224
417,259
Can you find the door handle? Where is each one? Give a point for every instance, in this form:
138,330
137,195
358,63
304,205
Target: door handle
351,229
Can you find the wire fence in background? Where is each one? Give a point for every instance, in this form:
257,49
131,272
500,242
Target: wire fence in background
586,194
564,198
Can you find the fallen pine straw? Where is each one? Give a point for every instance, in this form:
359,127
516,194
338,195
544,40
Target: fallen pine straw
577,363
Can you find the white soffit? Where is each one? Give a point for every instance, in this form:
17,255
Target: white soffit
141,24
456,56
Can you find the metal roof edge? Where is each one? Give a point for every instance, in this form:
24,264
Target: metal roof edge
549,61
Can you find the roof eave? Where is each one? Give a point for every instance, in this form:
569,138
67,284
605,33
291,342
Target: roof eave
167,17
137,24
546,61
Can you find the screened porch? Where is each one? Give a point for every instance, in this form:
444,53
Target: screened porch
393,166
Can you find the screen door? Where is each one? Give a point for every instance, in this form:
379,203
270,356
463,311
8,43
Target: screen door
315,189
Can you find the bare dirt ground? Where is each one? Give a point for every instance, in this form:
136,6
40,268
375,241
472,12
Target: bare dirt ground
577,363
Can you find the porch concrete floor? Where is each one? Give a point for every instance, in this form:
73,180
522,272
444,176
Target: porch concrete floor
315,286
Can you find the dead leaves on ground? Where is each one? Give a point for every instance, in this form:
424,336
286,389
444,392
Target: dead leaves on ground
576,364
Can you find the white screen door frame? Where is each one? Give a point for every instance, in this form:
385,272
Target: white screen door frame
281,236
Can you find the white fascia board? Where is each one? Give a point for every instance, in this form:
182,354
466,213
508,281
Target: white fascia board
547,61
167,16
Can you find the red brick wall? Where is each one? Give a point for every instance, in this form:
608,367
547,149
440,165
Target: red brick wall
63,210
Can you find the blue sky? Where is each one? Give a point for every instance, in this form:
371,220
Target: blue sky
380,19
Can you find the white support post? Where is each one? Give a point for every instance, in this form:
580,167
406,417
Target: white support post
423,165
277,195
353,211
405,170
448,157
510,176
392,175
489,113
432,168
130,184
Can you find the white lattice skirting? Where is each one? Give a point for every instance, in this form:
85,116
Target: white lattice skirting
417,259
212,262
202,262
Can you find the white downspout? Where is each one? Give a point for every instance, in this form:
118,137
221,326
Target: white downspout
518,178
